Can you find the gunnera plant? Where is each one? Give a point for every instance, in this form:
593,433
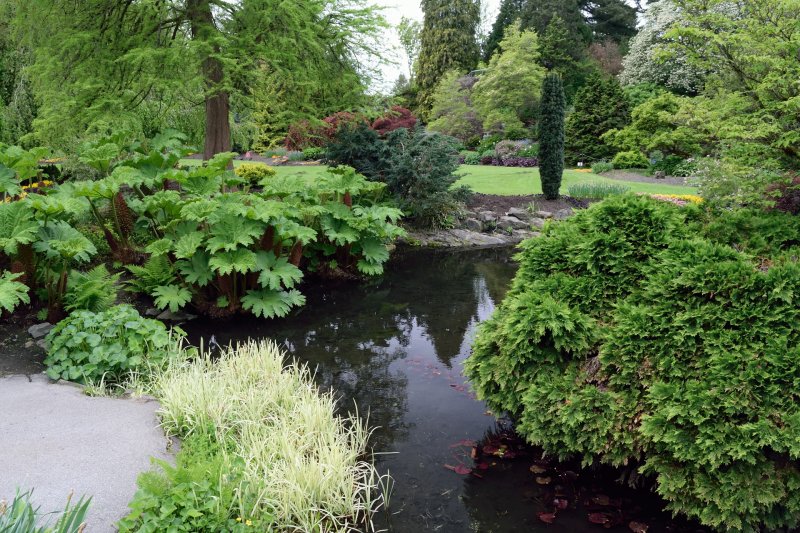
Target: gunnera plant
645,335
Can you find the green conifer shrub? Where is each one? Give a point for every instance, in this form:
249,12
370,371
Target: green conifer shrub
599,106
646,335
551,136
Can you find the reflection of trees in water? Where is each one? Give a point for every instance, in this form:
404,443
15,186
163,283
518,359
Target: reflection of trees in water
459,288
351,340
352,333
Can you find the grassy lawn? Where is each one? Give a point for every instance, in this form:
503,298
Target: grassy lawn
500,180
518,181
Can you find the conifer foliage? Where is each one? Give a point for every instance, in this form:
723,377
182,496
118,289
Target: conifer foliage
551,136
447,42
663,339
599,106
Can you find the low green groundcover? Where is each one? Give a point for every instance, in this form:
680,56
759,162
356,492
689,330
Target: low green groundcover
643,334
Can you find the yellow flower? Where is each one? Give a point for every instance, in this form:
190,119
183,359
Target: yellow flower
248,523
238,518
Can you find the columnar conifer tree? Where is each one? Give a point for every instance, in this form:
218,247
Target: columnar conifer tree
551,135
447,42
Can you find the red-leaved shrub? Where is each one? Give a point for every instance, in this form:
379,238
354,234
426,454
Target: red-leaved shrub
394,119
306,134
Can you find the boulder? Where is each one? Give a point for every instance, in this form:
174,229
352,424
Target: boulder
180,316
473,224
537,223
543,214
521,214
513,223
562,214
487,216
39,331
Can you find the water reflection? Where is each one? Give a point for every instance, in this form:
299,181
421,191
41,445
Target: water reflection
394,347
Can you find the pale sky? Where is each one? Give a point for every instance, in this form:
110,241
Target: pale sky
394,11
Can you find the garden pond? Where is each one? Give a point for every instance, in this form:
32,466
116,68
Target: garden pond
393,348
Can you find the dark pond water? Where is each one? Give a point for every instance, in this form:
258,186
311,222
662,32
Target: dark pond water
395,347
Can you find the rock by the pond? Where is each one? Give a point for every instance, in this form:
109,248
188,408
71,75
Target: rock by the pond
543,214
562,214
180,316
43,344
487,216
513,222
537,223
521,214
473,224
39,331
460,238
152,312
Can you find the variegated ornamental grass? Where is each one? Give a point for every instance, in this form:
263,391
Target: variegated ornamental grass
300,463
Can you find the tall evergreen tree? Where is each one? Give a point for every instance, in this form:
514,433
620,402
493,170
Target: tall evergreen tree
585,20
510,11
97,62
448,41
551,135
599,106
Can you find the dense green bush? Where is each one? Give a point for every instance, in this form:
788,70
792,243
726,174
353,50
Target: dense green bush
471,158
313,153
643,334
418,168
254,172
599,107
599,167
630,159
108,346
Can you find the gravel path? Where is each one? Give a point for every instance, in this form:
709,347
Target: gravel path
54,438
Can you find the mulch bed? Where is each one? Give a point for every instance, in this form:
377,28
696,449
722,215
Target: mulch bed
492,202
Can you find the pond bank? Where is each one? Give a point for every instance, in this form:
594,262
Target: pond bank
496,221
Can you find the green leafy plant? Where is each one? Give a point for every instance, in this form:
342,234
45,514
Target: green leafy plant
20,516
94,290
197,494
12,292
630,159
108,346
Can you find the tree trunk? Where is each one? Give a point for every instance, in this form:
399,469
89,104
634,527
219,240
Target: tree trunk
218,128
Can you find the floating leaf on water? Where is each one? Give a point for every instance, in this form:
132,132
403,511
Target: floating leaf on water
483,466
560,503
638,527
547,518
543,480
459,469
464,442
601,519
536,469
601,499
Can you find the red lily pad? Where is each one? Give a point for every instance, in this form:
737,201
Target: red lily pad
547,518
